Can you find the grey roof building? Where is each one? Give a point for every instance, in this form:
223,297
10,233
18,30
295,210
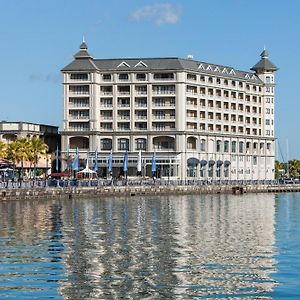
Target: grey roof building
203,120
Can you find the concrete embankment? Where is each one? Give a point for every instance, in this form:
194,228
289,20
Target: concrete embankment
118,191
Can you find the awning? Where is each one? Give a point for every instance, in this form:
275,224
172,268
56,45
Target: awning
193,162
219,162
62,174
203,162
211,162
227,163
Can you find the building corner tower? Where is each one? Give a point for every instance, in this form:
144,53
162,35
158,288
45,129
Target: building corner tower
265,71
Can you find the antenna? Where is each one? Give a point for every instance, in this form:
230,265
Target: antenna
83,39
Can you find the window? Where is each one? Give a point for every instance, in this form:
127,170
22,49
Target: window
106,144
191,77
140,144
123,144
218,146
80,76
241,147
163,76
123,76
202,145
226,146
254,160
106,77
267,121
233,146
141,76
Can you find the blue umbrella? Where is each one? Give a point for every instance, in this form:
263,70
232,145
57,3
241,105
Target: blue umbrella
110,167
76,161
96,162
125,162
153,165
68,167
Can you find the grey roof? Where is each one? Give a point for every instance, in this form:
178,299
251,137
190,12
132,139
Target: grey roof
81,65
264,64
83,46
83,61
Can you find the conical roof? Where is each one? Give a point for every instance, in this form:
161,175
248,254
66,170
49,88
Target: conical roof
83,60
264,64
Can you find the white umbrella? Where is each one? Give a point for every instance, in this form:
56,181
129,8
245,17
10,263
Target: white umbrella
139,162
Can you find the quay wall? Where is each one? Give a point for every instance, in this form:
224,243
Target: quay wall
120,191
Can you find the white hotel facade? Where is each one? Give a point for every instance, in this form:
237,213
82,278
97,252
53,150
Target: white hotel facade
204,121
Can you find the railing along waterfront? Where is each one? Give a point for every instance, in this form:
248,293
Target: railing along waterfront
40,184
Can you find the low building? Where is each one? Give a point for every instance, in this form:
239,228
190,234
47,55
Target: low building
10,131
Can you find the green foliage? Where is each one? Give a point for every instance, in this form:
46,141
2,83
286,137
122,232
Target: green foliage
2,149
294,168
279,169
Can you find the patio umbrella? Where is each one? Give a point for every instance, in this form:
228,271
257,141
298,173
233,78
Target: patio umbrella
139,163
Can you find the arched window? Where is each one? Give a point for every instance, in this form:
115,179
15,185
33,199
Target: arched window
248,144
241,147
140,144
218,146
203,145
80,142
233,146
191,143
226,146
106,144
164,143
123,144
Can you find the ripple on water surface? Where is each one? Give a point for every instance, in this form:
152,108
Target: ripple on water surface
185,247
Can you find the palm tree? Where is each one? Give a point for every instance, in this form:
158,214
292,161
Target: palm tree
24,151
12,152
37,149
2,149
294,168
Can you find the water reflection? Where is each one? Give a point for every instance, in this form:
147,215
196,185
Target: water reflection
156,248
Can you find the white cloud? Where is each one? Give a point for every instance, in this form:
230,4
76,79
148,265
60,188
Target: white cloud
161,14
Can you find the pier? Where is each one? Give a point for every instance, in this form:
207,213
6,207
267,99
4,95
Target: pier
72,192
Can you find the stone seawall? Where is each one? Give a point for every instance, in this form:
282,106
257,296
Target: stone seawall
118,191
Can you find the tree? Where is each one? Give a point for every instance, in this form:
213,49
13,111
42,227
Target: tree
279,169
37,149
2,149
24,149
13,153
294,168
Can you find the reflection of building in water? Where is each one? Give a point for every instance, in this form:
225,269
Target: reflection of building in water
162,247
226,242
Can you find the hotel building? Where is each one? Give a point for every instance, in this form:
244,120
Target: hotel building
204,121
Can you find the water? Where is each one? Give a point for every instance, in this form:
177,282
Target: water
179,247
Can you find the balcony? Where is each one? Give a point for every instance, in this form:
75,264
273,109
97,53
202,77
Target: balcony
163,92
140,117
78,117
106,93
74,105
139,92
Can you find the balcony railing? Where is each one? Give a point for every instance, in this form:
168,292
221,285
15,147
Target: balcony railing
166,92
75,105
75,117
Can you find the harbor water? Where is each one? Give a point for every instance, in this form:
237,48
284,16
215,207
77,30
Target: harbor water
171,247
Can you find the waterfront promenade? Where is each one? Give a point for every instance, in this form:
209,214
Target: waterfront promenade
104,188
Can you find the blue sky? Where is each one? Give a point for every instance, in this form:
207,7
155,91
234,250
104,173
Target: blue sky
40,37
